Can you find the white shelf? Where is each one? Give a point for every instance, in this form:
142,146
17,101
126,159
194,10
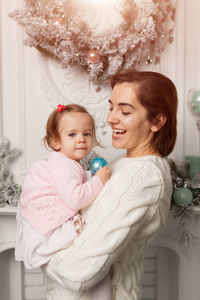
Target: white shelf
195,210
8,210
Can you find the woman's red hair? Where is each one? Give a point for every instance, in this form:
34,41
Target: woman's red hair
158,95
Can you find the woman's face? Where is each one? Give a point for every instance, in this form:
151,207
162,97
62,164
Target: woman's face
130,128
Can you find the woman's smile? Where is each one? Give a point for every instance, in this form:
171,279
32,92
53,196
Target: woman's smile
118,133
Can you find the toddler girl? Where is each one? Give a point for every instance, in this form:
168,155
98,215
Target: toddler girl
55,190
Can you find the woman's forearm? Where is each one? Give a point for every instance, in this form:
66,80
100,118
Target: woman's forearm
89,259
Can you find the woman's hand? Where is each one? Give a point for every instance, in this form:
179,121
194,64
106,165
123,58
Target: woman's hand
104,174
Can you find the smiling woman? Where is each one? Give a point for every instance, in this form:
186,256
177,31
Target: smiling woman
134,203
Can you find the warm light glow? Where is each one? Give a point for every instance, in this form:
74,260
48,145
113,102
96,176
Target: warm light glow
100,1
101,15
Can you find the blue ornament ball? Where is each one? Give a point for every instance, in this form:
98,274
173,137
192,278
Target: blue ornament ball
96,163
182,196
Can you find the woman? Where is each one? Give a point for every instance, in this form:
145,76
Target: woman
134,203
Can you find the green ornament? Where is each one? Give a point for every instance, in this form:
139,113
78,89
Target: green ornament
196,101
182,196
194,165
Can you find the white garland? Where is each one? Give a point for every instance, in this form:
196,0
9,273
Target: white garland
147,27
9,190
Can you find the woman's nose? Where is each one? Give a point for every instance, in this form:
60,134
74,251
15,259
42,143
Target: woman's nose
112,117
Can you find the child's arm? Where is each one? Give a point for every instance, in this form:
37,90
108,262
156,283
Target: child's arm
68,179
104,174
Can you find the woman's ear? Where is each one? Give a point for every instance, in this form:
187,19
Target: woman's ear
158,122
55,143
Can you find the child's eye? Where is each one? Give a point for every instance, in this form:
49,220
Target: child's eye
110,108
87,134
72,134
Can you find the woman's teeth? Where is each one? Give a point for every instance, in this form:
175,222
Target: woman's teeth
118,131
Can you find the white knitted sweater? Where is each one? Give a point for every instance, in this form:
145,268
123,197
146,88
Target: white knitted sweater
127,214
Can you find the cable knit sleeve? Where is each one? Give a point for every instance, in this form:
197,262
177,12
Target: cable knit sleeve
129,200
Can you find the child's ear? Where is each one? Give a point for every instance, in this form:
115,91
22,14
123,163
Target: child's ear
158,122
55,143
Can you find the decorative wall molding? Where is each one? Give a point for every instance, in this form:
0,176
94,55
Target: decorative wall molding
192,72
179,76
72,85
1,106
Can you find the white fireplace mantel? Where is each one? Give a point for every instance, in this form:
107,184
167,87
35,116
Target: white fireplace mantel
188,255
7,227
10,269
187,261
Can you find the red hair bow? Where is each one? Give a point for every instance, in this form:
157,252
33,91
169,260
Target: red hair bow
60,107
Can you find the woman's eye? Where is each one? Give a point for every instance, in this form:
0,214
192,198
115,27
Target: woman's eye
125,113
72,134
110,108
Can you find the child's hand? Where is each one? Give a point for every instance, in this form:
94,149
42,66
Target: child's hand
103,173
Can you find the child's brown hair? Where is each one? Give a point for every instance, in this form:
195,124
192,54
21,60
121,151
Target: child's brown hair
52,126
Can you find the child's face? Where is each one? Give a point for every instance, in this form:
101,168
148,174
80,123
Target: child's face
76,135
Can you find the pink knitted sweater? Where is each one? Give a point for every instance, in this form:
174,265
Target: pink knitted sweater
54,190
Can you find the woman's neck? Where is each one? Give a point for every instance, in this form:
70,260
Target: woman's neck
144,150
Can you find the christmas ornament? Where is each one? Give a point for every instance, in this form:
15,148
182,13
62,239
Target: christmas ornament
193,99
93,56
52,28
96,164
59,21
182,196
194,162
85,162
186,189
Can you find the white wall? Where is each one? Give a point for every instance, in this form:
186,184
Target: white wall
31,85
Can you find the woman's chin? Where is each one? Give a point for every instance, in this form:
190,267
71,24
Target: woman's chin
117,145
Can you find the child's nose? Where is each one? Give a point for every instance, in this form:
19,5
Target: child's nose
81,139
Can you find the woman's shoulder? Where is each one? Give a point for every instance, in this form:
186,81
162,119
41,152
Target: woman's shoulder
137,177
144,162
148,168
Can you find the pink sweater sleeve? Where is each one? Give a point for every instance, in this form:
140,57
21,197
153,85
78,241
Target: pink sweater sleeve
69,181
